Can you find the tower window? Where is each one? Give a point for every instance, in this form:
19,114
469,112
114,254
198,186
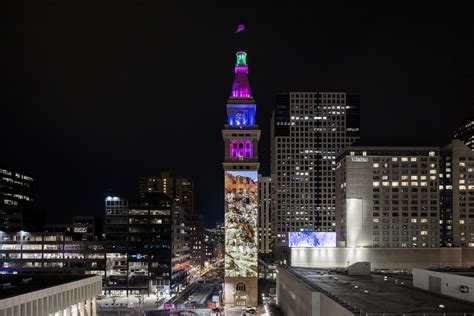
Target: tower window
240,287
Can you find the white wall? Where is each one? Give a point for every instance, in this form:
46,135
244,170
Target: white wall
54,299
382,258
450,283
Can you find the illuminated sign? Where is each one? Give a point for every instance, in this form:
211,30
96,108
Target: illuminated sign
241,197
311,239
359,159
80,229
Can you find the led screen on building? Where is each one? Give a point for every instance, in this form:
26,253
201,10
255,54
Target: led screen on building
241,252
311,239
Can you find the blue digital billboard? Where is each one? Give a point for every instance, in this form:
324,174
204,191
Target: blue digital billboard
311,239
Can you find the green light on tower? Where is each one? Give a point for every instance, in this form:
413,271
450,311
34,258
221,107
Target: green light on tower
241,58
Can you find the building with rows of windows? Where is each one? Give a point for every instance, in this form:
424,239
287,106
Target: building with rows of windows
309,129
388,197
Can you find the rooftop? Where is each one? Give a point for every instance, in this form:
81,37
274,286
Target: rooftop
27,283
393,295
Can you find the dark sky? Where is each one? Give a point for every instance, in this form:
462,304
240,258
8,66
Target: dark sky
97,93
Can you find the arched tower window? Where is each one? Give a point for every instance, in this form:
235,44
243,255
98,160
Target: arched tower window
240,287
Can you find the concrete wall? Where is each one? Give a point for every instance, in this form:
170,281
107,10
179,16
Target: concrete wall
78,296
450,283
382,258
296,299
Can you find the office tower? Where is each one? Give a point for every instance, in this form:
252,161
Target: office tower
264,209
197,240
211,243
51,253
466,133
16,199
181,190
16,188
462,193
90,227
220,231
388,197
139,242
116,219
309,129
241,135
446,196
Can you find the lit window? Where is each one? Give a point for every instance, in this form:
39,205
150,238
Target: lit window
404,159
376,183
431,154
424,232
375,165
413,220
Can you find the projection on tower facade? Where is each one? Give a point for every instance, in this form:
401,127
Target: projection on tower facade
241,136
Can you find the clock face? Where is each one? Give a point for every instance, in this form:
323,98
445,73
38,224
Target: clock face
241,118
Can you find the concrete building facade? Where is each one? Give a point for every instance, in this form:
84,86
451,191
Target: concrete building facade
74,298
264,212
388,197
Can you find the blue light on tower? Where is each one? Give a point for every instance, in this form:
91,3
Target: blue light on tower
241,114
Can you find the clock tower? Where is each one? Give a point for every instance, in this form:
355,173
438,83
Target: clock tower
241,135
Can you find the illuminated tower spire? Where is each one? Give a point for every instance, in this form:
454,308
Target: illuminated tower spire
241,136
241,86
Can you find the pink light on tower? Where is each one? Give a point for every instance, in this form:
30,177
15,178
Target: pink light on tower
241,149
241,86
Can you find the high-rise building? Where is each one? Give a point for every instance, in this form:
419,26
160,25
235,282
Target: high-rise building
16,198
181,191
466,133
388,197
264,209
197,240
309,129
16,188
241,136
446,196
90,227
462,193
139,237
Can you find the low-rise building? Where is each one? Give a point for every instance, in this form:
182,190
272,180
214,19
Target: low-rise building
49,295
303,291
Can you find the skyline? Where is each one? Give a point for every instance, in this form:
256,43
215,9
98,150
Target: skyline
62,116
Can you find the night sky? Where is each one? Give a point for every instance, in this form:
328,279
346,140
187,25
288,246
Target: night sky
97,93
